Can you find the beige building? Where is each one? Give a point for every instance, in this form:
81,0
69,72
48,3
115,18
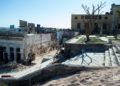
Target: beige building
105,23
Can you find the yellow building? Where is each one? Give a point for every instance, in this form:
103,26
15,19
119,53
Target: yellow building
105,23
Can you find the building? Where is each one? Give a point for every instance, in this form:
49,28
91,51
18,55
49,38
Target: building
107,23
27,27
15,46
11,46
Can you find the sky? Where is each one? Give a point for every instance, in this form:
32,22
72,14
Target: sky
47,13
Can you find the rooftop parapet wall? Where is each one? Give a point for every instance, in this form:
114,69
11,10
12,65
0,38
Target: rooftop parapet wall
12,34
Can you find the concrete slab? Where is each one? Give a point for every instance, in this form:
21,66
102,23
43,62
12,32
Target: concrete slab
89,59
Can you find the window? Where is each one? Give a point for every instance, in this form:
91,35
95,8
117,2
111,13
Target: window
86,25
100,17
86,17
118,26
18,57
104,26
17,49
106,17
89,17
78,25
11,49
76,17
11,53
94,17
12,56
82,17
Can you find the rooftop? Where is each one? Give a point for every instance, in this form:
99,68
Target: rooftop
15,32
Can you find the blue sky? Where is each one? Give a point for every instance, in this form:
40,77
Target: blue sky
48,13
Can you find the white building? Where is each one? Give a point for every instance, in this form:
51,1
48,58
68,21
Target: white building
15,45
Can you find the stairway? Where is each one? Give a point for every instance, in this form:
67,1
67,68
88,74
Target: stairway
118,52
112,56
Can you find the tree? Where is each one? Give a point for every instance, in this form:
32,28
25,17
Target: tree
117,26
91,15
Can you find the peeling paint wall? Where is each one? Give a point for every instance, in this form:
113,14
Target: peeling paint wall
37,43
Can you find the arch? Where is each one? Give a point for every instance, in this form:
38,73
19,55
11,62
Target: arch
96,28
104,28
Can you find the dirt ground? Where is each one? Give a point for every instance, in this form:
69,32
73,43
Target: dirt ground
100,77
38,59
12,67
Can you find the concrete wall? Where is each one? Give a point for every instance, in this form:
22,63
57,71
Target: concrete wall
37,43
75,49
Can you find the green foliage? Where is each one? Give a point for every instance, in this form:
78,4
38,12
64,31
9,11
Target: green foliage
93,40
96,40
81,40
113,39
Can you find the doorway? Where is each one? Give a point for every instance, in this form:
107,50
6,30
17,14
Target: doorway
11,54
104,28
18,55
96,28
2,54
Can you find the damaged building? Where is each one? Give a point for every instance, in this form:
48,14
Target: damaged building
15,46
103,23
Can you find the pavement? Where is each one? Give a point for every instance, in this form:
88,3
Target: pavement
110,57
88,59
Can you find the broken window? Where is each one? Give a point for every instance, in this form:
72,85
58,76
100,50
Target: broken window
87,17
6,57
82,17
17,49
18,55
11,49
2,50
11,53
118,26
76,17
78,25
100,17
106,17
